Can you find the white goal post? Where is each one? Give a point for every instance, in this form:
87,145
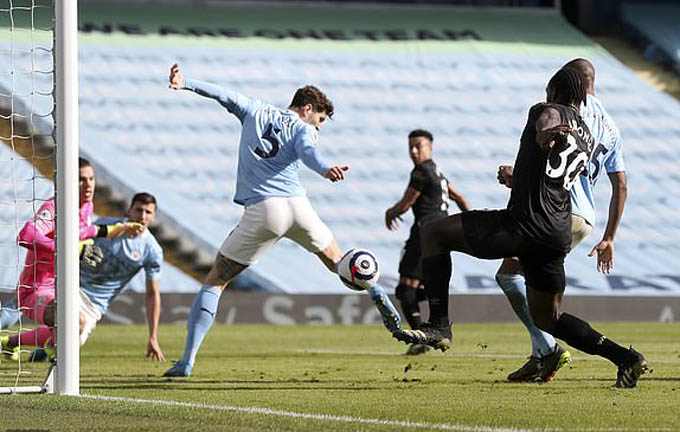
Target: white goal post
68,283
39,43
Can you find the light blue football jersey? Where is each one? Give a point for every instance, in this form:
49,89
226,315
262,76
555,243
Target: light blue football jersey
273,142
123,258
607,156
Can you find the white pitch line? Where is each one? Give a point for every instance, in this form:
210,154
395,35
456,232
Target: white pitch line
322,417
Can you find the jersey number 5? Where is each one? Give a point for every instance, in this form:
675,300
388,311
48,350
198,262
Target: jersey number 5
569,170
269,136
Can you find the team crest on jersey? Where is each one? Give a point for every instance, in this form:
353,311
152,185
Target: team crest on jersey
45,215
135,255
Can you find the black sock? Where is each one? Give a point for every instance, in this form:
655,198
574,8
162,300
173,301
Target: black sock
437,275
408,299
582,336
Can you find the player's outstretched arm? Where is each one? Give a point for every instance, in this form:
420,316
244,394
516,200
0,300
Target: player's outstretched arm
234,102
605,248
120,229
393,214
153,314
458,198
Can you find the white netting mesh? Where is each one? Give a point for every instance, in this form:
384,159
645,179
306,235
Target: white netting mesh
26,163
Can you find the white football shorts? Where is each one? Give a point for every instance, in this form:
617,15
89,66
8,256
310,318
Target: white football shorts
264,223
91,314
579,229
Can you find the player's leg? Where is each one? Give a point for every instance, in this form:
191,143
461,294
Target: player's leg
9,313
511,280
557,357
259,228
545,288
407,294
410,293
410,275
438,239
478,233
310,232
203,311
38,305
409,290
89,317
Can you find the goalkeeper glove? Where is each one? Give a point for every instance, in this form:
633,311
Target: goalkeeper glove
128,229
90,254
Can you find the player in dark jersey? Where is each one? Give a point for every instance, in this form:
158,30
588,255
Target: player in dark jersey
428,195
535,227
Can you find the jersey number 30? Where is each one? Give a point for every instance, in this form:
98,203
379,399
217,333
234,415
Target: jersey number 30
270,137
569,170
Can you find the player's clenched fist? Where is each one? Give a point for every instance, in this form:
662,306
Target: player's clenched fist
176,78
504,175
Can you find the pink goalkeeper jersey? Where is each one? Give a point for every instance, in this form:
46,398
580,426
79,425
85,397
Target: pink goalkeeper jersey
38,237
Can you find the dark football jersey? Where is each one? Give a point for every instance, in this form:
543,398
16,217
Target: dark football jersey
539,202
433,202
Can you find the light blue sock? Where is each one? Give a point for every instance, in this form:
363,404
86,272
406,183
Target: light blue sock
388,312
9,314
201,318
515,290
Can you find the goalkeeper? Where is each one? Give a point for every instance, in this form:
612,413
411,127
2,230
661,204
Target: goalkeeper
35,293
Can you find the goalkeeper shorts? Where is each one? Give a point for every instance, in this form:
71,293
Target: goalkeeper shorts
264,223
34,300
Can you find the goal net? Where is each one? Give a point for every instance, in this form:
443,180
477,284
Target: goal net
36,167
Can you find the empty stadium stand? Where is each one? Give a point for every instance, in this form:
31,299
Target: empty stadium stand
472,93
656,26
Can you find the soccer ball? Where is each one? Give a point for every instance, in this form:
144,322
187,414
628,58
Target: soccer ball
358,269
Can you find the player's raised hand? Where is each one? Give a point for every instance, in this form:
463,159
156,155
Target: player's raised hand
392,219
605,256
505,175
547,137
176,78
336,173
154,351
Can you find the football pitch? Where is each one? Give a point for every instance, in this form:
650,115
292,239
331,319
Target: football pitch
350,378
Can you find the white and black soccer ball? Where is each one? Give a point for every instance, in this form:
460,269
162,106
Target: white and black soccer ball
358,269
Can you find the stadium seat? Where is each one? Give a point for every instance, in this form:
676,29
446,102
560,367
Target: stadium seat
183,148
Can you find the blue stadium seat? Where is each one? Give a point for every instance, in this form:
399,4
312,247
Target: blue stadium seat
182,147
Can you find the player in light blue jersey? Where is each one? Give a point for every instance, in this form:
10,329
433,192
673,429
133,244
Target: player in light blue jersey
124,257
274,143
547,356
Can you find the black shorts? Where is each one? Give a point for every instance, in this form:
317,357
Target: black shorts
410,264
492,234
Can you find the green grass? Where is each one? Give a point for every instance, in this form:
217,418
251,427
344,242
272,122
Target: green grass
354,371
